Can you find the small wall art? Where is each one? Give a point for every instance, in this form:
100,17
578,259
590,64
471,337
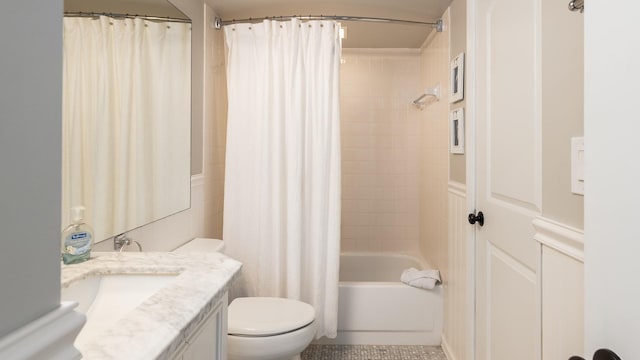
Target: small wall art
456,131
457,78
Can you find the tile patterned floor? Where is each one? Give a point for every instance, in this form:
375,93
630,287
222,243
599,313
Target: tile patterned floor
372,352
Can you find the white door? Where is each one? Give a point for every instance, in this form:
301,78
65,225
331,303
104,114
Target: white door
508,178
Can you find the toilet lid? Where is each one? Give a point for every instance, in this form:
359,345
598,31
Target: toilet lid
263,316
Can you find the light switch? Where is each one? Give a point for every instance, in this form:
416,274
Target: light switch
577,165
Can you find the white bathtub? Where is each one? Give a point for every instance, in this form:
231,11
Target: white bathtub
375,308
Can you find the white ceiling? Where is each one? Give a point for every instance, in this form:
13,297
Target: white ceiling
359,35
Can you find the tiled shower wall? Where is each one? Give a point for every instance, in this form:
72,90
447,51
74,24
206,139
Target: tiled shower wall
380,150
434,152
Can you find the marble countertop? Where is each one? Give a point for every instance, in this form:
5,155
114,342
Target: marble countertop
156,328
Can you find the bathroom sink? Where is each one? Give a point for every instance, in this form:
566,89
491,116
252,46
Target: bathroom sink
105,299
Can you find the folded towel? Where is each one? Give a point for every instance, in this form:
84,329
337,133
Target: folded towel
424,279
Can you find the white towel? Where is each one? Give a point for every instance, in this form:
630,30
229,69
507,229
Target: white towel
423,279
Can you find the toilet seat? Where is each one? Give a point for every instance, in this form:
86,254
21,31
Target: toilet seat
267,316
274,347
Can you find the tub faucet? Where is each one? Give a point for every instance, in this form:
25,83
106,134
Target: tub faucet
122,240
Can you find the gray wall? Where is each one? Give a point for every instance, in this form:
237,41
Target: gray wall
30,159
457,163
562,109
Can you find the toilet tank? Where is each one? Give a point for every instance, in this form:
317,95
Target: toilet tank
201,245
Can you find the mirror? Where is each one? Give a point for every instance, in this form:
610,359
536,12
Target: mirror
126,113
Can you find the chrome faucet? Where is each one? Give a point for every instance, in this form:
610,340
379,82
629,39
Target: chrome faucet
122,240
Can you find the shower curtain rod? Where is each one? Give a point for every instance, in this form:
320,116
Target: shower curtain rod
127,16
218,23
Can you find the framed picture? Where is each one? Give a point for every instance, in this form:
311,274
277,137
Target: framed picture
457,78
456,131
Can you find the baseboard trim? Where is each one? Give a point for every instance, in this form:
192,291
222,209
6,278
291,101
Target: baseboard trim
563,238
426,338
446,349
48,337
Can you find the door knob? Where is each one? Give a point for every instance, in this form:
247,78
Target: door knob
602,354
473,218
605,354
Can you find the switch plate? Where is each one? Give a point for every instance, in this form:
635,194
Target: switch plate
577,165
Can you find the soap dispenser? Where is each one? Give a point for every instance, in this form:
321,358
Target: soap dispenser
77,238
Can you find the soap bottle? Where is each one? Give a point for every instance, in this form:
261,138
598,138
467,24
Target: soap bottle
77,238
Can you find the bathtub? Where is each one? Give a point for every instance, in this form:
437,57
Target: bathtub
375,308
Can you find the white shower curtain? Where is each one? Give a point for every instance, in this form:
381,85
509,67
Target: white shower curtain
282,180
126,95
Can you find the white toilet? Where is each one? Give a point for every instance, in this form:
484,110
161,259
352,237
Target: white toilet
269,328
262,328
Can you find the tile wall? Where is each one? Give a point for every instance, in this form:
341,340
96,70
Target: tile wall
434,151
380,150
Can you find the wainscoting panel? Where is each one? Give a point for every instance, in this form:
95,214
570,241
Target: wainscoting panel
457,340
562,289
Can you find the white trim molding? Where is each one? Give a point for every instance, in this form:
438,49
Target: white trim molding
197,180
563,238
457,188
48,337
446,349
381,52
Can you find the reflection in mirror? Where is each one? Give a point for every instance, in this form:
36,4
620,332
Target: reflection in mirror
126,119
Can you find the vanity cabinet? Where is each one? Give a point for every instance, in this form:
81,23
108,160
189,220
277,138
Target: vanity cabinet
169,324
209,340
